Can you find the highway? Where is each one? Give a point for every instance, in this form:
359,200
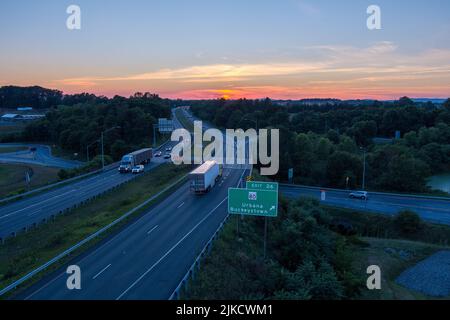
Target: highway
19,215
433,210
42,156
147,259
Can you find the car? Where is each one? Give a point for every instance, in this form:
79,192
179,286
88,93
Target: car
168,149
363,195
138,169
158,154
167,156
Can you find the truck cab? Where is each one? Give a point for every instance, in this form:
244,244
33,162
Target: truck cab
127,164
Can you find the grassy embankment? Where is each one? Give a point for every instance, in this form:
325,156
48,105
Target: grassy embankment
20,255
374,240
12,178
12,149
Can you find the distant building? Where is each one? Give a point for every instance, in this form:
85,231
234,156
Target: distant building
21,117
378,140
10,117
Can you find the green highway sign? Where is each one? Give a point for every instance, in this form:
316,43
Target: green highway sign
267,186
253,202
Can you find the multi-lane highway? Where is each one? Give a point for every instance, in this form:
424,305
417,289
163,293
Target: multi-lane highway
431,209
41,155
16,216
19,215
148,258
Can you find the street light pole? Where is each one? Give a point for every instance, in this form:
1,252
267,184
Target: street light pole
103,154
364,170
103,150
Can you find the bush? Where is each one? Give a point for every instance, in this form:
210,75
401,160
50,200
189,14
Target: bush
408,222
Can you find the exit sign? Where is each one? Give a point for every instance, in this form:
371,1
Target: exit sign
267,186
253,202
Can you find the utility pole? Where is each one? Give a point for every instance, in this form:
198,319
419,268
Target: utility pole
265,237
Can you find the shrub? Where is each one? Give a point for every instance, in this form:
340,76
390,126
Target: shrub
408,222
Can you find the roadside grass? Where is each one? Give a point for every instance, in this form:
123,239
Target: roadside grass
393,257
367,224
11,128
12,149
12,178
185,122
20,255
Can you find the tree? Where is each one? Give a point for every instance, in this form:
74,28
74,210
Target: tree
119,149
342,164
408,222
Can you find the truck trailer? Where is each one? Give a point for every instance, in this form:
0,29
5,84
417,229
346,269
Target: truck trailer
133,159
205,177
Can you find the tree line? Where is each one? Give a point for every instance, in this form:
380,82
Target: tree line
325,144
74,127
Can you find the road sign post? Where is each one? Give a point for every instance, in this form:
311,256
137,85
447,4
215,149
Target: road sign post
291,175
259,199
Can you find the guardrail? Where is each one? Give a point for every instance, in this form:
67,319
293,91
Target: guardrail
53,185
91,237
295,186
206,250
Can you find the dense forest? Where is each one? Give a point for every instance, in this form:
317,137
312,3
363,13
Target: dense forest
326,143
12,97
75,126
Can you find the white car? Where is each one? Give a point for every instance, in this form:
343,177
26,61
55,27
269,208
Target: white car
138,169
168,149
158,154
167,156
363,195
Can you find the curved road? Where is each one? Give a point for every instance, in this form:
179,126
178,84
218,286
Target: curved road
42,156
22,214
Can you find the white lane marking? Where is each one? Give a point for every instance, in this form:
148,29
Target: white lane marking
34,213
36,204
154,228
171,249
180,205
103,270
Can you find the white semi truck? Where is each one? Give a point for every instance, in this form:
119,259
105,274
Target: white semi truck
205,177
133,159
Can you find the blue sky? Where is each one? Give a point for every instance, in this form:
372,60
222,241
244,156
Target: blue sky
209,48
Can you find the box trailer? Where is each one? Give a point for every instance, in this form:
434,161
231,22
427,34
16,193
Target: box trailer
203,179
133,159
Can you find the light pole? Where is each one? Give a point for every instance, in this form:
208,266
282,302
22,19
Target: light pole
87,149
103,150
364,169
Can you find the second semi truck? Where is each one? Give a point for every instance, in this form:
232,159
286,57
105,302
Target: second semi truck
205,177
133,159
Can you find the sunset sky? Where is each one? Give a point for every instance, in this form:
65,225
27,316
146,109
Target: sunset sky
283,49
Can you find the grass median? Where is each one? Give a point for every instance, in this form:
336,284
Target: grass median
20,255
185,122
12,178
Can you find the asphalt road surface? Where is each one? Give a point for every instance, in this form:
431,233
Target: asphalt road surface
147,259
433,210
21,214
42,156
